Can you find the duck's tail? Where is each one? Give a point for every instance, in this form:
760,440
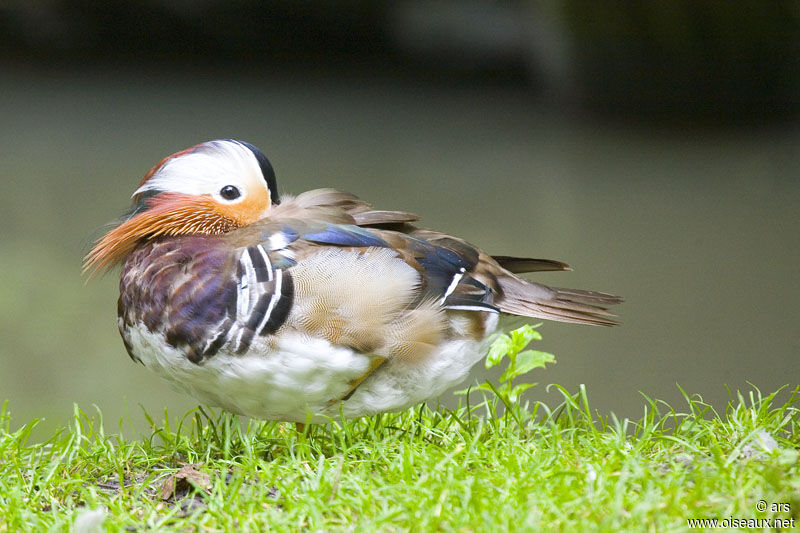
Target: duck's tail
526,298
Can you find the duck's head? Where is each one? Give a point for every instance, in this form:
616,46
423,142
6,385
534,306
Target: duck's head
209,188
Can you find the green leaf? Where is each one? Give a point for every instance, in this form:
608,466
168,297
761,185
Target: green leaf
521,337
527,361
498,350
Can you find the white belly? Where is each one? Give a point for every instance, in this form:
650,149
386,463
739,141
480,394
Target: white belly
305,378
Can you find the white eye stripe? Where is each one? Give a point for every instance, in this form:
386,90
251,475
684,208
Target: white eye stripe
206,170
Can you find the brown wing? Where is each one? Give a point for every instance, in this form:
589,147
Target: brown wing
510,293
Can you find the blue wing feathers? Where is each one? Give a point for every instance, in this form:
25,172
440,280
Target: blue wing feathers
345,235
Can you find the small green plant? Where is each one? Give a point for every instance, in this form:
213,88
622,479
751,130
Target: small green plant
520,362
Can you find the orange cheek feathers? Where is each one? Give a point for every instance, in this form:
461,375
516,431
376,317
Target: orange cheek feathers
170,214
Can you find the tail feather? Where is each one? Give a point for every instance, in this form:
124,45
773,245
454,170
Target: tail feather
520,297
518,265
588,297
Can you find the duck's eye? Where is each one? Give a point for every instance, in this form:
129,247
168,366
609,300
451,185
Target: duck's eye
229,192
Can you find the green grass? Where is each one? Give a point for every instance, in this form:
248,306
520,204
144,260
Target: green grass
491,466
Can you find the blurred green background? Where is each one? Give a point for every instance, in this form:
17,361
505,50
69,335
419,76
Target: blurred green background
652,147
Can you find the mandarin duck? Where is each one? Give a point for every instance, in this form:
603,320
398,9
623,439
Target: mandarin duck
298,308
